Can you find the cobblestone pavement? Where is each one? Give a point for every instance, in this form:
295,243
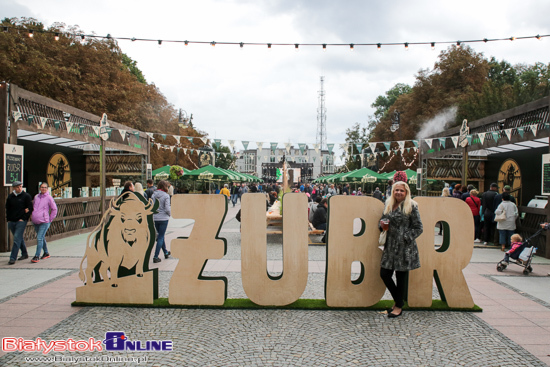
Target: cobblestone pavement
209,337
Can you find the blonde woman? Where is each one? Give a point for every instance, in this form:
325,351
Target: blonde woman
138,187
402,221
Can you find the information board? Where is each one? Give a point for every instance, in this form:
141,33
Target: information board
545,174
13,164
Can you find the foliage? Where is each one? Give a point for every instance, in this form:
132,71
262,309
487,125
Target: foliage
222,161
383,103
91,74
357,134
175,172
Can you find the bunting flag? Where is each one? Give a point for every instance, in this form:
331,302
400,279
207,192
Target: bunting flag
96,130
314,158
57,124
287,147
260,145
521,131
359,147
534,129
496,136
344,146
163,136
415,142
231,144
150,135
273,147
157,145
454,139
184,150
43,121
330,146
177,137
245,144
316,147
481,138
442,142
387,145
217,143
16,116
30,119
469,139
178,150
171,148
508,133
225,155
429,142
302,147
122,133
190,139
69,126
136,134
204,140
372,147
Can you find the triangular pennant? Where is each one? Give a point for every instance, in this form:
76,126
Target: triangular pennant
184,150
150,135
287,147
415,142
204,140
57,124
123,133
330,147
177,137
190,138
316,147
163,136
260,145
172,148
245,144
401,144
481,138
429,142
69,126
43,121
387,144
521,131
217,143
442,142
359,147
469,139
30,119
231,143
96,130
178,150
372,147
454,139
302,147
508,133
273,147
16,116
496,135
225,155
157,145
344,146
217,154
534,129
314,158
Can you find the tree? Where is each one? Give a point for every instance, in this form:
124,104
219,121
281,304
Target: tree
384,102
225,158
357,134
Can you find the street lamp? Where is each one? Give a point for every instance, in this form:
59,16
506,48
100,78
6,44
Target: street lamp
395,120
184,121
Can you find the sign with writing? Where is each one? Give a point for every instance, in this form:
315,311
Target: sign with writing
13,164
546,174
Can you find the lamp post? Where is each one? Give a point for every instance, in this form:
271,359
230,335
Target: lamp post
395,122
184,120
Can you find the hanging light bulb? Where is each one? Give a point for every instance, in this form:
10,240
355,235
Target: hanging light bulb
31,33
406,46
485,40
537,36
241,44
351,46
324,46
433,45
379,46
186,43
213,43
160,42
269,46
56,37
512,38
458,44
296,45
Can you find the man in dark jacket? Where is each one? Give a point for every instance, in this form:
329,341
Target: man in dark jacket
150,189
488,205
18,211
377,194
320,215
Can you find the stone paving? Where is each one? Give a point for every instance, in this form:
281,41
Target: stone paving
209,337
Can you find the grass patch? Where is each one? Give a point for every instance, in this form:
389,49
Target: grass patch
301,304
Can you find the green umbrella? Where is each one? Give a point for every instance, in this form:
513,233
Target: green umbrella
209,173
358,176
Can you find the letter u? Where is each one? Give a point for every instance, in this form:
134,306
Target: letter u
258,285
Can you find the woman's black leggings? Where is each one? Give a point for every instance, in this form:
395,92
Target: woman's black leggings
397,290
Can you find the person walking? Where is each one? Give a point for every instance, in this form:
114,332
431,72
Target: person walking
234,193
475,204
150,189
161,219
377,194
506,227
43,213
401,219
18,212
225,191
488,205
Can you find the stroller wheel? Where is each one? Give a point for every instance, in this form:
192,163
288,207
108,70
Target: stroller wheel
526,272
500,267
530,269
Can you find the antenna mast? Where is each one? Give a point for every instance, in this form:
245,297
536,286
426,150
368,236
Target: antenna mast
322,118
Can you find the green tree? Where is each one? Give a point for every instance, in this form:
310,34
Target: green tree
132,67
357,134
225,158
383,103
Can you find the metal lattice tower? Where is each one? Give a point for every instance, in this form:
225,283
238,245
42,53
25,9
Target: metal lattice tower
322,118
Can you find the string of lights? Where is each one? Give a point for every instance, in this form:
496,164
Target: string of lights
56,36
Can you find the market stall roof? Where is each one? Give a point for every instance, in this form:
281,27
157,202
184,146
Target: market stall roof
358,175
166,170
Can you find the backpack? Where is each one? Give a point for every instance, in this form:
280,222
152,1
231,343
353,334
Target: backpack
312,208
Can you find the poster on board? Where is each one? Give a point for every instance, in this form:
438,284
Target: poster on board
545,174
13,164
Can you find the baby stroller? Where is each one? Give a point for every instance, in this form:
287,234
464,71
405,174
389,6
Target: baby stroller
522,256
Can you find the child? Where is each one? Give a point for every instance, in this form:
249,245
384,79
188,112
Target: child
516,243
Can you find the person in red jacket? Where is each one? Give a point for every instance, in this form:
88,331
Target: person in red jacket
475,203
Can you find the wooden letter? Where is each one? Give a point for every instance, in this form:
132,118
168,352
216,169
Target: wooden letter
343,248
446,263
187,285
258,285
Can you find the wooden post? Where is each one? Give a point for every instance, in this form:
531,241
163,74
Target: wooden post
465,167
4,117
102,175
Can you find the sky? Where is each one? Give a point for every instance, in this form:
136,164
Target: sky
260,95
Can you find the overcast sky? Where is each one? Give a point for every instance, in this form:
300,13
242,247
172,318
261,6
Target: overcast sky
256,94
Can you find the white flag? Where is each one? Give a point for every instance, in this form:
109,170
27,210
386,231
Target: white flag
43,121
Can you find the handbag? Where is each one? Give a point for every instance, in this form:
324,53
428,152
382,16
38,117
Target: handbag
382,238
501,217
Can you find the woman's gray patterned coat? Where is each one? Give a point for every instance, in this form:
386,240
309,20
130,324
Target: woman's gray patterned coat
400,252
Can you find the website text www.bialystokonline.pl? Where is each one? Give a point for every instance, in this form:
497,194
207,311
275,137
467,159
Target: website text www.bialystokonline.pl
102,359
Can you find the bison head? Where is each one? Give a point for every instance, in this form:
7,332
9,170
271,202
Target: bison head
130,218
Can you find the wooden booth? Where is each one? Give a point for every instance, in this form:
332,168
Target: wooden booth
78,153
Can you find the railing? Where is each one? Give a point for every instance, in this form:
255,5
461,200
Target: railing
74,216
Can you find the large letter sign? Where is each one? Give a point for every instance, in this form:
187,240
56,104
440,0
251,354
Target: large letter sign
119,250
258,285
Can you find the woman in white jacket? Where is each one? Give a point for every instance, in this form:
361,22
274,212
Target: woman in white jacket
506,227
